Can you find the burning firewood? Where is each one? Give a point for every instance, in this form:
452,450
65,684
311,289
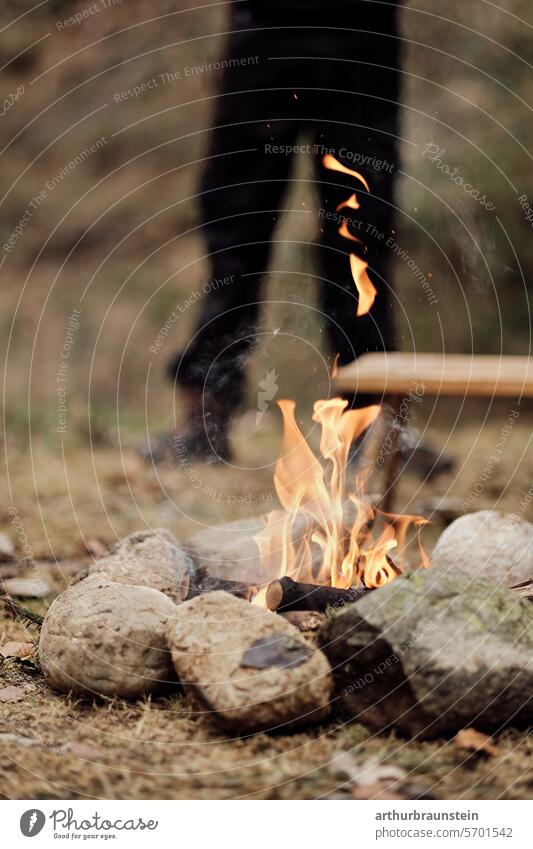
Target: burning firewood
285,594
327,551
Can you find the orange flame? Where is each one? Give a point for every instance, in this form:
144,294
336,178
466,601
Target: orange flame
364,285
322,536
351,203
333,164
343,231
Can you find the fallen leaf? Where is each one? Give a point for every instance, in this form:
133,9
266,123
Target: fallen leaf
275,650
26,587
14,649
96,547
524,589
367,772
16,694
475,742
81,750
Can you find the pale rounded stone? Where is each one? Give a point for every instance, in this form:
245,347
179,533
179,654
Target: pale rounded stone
488,544
213,639
148,559
103,638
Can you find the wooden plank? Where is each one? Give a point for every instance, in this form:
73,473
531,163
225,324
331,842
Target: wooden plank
448,374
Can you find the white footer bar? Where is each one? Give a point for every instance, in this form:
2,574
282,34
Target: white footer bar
249,825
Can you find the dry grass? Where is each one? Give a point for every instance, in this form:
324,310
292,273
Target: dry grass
57,747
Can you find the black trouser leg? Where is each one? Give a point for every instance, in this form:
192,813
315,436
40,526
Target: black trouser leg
242,191
349,106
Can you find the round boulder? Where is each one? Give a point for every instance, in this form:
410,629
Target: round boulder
248,668
148,559
488,544
103,638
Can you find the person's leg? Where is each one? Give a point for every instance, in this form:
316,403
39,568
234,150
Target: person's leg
241,195
254,127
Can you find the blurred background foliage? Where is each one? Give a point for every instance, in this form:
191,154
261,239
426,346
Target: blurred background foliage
120,230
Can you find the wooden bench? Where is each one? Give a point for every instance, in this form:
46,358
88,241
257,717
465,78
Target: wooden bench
397,377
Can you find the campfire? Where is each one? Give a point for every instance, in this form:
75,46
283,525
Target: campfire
356,548
327,536
327,546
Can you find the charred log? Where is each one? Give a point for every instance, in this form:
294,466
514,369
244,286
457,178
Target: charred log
285,594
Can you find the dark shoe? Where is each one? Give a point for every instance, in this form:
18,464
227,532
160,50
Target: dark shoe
421,459
204,435
415,457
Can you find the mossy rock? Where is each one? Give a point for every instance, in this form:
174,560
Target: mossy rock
433,652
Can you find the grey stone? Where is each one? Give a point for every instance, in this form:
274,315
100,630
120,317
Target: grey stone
488,544
433,652
26,587
212,638
229,551
102,638
152,558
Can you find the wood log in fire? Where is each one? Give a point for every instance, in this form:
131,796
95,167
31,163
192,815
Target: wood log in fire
285,594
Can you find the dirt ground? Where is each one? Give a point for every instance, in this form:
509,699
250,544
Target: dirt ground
55,746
